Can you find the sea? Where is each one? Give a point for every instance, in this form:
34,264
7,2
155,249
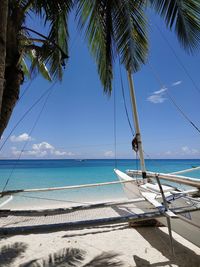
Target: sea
30,174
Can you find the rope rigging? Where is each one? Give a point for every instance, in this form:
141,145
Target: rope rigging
124,100
178,59
157,77
115,126
135,145
25,114
30,133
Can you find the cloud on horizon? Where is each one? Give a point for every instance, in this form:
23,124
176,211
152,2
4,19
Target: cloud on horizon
109,154
41,150
189,151
21,138
182,152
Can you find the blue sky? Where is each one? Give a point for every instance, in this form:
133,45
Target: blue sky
78,119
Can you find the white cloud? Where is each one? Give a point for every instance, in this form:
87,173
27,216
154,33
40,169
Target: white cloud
42,146
20,138
162,90
41,150
62,153
109,154
157,97
189,151
176,83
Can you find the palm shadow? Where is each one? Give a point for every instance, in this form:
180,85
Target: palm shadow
98,230
9,253
184,256
75,257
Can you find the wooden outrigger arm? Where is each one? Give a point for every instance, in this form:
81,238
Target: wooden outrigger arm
172,177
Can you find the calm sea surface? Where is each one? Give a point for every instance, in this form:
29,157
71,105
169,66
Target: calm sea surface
54,173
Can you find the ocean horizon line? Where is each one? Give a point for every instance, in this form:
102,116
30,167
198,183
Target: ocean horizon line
85,159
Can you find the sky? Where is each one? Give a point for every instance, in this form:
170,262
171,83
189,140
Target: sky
79,121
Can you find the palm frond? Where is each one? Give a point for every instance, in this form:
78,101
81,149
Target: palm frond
184,17
55,13
25,68
96,19
130,28
36,56
38,63
111,27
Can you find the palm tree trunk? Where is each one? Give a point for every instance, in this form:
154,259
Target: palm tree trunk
13,74
3,33
14,78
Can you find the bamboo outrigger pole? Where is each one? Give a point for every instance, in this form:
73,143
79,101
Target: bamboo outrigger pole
136,124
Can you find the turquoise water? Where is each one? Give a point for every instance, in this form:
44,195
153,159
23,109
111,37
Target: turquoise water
55,173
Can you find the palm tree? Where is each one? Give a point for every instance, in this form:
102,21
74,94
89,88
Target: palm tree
20,43
119,28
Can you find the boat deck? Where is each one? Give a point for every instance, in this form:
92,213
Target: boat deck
16,221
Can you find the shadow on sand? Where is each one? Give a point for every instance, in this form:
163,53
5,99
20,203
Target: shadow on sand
184,256
75,257
97,230
9,253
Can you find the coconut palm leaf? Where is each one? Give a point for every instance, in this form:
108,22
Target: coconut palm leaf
38,64
184,17
114,27
25,68
130,27
55,15
32,53
95,18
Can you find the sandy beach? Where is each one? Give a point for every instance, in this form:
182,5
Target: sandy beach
110,245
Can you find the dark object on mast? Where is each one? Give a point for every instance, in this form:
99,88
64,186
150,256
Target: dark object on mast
135,146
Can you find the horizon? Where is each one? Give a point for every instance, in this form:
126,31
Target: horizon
111,159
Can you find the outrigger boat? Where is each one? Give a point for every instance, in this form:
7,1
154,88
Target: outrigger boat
166,198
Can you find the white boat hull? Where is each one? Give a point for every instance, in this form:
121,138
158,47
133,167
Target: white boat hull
187,224
186,228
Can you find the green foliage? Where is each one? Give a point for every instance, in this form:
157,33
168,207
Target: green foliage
119,28
184,17
48,53
114,28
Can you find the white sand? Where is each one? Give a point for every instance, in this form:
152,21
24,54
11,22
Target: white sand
141,247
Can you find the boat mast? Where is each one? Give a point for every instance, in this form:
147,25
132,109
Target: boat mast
136,124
